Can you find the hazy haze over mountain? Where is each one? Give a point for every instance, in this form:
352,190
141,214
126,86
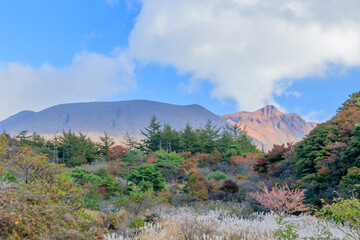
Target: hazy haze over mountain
115,118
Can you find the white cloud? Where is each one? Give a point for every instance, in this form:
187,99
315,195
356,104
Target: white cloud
292,93
250,50
112,2
316,116
90,76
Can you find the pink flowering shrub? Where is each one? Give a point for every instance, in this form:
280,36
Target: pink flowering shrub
281,199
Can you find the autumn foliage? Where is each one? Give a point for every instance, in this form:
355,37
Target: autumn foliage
116,153
281,199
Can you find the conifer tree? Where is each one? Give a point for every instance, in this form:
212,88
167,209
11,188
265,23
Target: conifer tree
152,141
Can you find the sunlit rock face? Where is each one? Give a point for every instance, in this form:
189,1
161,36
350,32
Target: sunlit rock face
270,126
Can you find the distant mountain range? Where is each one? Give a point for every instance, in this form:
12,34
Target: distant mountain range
266,126
114,118
270,126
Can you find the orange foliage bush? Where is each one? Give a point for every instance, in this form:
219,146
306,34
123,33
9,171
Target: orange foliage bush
197,185
250,158
116,153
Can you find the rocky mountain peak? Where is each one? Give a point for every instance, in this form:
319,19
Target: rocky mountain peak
270,126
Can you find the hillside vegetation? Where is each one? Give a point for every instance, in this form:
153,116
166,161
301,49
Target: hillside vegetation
210,183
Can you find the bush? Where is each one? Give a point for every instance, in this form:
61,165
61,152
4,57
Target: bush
28,213
281,199
197,186
217,176
147,175
239,176
230,187
137,223
138,201
344,211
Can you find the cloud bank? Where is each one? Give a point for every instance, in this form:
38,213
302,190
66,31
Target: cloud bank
90,77
250,50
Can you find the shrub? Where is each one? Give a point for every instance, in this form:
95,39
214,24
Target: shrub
137,223
8,177
28,213
197,186
239,176
350,182
230,187
116,153
146,174
217,176
137,201
281,199
344,211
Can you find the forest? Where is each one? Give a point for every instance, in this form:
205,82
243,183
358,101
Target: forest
206,183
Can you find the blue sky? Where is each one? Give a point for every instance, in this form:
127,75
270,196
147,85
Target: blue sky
227,56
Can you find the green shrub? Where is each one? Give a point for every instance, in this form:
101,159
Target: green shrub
137,223
147,173
344,211
217,176
137,201
8,177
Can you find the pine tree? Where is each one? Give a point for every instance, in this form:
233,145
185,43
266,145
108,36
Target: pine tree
106,143
152,141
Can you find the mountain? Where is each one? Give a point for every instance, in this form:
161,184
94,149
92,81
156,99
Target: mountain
115,118
270,126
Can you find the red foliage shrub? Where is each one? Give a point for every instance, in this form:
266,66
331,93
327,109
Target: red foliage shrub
275,155
230,186
116,153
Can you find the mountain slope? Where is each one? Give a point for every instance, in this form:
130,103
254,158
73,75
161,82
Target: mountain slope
271,126
113,117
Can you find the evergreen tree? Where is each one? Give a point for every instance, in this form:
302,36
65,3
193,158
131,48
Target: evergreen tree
129,142
106,143
170,139
209,136
152,141
147,177
190,140
76,150
234,130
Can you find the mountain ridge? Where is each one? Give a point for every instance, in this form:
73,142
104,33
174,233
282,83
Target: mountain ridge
115,118
270,126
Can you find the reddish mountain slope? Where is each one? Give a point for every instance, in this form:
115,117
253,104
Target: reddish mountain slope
271,126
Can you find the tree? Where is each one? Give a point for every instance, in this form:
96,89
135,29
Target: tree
128,163
29,165
24,140
168,164
190,140
152,141
234,130
147,177
106,143
76,150
209,136
129,142
170,139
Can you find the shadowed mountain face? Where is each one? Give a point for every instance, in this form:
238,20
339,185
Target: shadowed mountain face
115,118
271,126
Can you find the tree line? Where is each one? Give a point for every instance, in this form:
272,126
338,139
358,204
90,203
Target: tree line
75,149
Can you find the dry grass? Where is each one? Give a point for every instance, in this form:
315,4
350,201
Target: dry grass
185,223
